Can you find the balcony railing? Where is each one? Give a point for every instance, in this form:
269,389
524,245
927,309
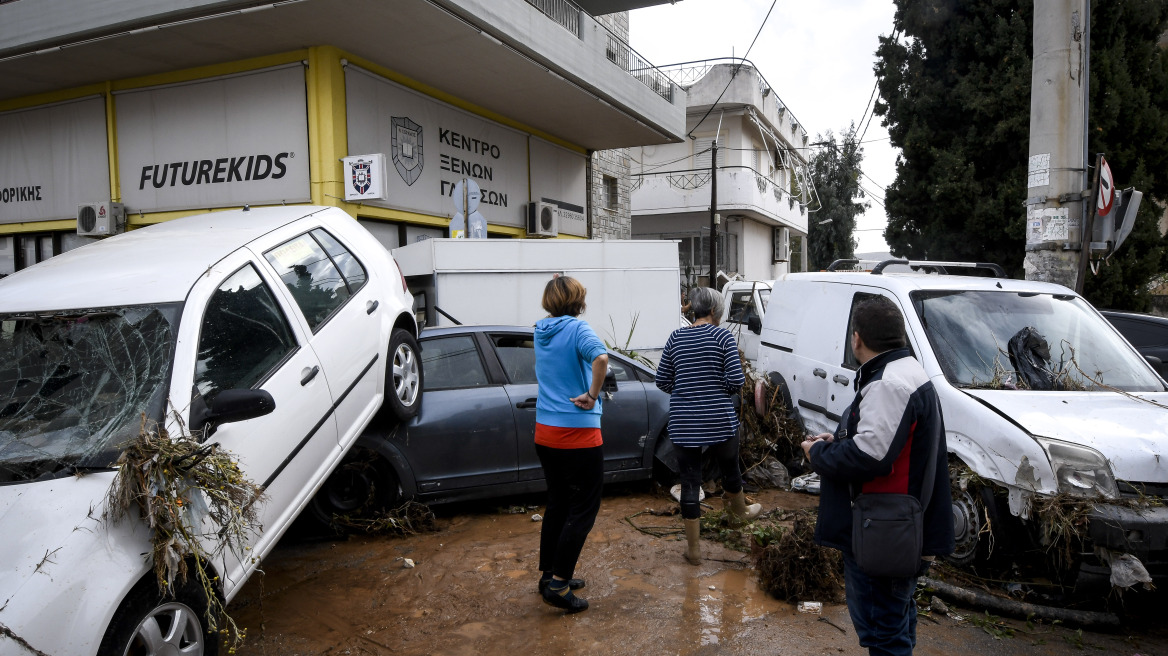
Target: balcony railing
563,12
686,74
623,55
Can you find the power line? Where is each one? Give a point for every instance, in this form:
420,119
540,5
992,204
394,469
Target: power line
736,69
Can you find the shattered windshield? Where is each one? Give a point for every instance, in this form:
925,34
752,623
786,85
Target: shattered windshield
1024,340
75,384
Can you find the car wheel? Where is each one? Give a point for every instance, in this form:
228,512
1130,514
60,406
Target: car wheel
363,483
405,375
150,624
977,533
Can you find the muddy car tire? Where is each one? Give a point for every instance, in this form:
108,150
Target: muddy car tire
149,623
976,527
363,484
404,375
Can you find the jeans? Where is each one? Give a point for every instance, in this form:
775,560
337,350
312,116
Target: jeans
575,478
689,460
882,610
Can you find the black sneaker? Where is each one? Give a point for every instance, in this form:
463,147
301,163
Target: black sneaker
567,601
573,584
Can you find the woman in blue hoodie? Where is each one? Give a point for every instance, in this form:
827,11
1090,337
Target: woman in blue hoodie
570,364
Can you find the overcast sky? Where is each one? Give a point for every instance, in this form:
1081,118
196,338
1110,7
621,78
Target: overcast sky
817,55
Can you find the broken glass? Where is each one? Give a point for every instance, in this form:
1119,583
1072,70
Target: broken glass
75,384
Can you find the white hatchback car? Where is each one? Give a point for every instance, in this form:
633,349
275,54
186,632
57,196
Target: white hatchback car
298,310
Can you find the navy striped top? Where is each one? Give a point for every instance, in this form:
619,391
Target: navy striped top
701,372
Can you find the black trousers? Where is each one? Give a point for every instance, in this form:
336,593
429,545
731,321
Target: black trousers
689,459
575,478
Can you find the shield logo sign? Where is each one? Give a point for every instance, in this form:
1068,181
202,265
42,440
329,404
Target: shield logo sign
361,178
406,139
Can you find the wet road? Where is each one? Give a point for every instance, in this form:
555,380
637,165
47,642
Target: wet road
472,591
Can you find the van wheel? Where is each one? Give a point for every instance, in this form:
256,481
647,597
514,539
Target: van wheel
976,529
405,376
150,624
362,484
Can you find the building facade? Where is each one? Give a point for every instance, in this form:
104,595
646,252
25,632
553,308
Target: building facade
390,110
763,185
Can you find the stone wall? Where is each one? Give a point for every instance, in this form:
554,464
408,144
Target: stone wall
611,223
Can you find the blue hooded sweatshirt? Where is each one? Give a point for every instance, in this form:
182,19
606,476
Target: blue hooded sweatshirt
564,350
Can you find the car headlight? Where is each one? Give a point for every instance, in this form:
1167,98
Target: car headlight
1080,471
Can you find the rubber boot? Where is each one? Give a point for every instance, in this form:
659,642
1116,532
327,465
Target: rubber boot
740,513
693,536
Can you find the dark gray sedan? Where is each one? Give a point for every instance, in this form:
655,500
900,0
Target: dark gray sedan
473,437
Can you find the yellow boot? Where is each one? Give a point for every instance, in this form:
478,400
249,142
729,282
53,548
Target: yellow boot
740,513
693,535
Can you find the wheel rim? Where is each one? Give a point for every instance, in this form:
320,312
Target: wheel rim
966,525
171,629
350,488
405,374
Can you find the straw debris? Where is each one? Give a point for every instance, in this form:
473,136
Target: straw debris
792,567
410,518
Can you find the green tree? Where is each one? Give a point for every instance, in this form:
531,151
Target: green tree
955,97
835,174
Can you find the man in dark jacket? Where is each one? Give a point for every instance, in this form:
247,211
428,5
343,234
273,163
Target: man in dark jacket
882,445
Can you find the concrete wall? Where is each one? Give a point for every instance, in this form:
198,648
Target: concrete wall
612,223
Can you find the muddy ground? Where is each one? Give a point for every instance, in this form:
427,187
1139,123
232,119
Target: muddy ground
473,591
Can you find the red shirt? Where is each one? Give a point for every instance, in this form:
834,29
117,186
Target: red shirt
558,437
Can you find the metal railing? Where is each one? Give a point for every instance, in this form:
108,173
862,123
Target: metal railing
564,12
686,74
623,55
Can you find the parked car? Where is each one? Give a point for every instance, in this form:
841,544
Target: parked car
1041,396
473,438
298,311
1148,333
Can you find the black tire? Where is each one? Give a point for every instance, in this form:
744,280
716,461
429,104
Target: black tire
181,621
404,376
363,484
977,528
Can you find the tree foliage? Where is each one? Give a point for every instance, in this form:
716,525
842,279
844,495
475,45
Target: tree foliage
835,173
955,97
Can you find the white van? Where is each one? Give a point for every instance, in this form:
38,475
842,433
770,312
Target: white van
1094,425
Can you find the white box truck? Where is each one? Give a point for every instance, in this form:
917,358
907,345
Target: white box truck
501,281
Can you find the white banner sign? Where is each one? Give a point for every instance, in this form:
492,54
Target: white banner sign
53,159
225,142
431,146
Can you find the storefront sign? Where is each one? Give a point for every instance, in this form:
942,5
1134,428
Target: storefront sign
224,142
52,159
433,146
364,177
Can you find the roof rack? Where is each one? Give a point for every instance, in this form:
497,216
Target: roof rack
942,268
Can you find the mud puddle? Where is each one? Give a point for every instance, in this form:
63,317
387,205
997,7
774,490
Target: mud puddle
473,591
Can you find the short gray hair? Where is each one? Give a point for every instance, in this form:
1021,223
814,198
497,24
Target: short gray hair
705,301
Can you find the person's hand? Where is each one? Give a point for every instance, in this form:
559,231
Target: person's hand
826,437
807,443
584,401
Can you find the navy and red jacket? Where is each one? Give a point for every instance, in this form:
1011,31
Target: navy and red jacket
881,445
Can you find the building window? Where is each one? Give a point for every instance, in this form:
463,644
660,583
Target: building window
611,193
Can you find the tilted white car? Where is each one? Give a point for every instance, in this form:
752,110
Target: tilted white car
1097,427
298,311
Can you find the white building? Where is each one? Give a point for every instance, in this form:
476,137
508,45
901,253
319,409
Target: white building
175,107
762,185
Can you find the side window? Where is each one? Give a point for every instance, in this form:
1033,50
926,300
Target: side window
741,307
850,360
517,355
320,273
622,371
452,362
243,337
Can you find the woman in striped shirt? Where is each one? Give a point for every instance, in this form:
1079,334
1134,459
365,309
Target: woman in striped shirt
701,371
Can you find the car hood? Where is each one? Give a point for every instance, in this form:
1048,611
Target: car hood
39,518
1131,431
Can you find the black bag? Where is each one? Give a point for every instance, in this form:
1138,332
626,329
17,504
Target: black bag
888,530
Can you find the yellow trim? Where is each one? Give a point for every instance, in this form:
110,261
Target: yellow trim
438,94
328,136
38,226
111,146
51,97
401,216
210,71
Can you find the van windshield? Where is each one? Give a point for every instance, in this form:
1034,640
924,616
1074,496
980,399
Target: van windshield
1022,340
74,385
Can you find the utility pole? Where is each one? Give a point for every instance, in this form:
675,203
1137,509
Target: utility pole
1057,171
714,211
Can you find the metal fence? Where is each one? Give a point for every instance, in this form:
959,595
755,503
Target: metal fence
561,11
623,55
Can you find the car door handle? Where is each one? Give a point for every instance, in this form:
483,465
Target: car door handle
371,306
842,380
821,373
529,403
309,375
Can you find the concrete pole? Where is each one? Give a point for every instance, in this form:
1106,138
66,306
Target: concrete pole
1054,205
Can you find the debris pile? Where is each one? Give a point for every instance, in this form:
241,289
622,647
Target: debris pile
792,567
410,518
771,429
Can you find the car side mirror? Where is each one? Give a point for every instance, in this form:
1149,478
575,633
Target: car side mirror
609,381
754,324
229,406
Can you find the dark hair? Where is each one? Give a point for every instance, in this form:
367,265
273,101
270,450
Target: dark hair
880,324
564,296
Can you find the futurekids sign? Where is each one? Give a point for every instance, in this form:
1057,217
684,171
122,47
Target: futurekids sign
223,142
52,158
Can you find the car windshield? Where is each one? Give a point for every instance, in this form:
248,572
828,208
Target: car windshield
1023,340
75,385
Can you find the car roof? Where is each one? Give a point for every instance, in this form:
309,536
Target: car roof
459,330
156,264
1150,318
907,282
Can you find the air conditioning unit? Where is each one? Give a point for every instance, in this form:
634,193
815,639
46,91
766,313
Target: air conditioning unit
543,220
782,244
100,219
